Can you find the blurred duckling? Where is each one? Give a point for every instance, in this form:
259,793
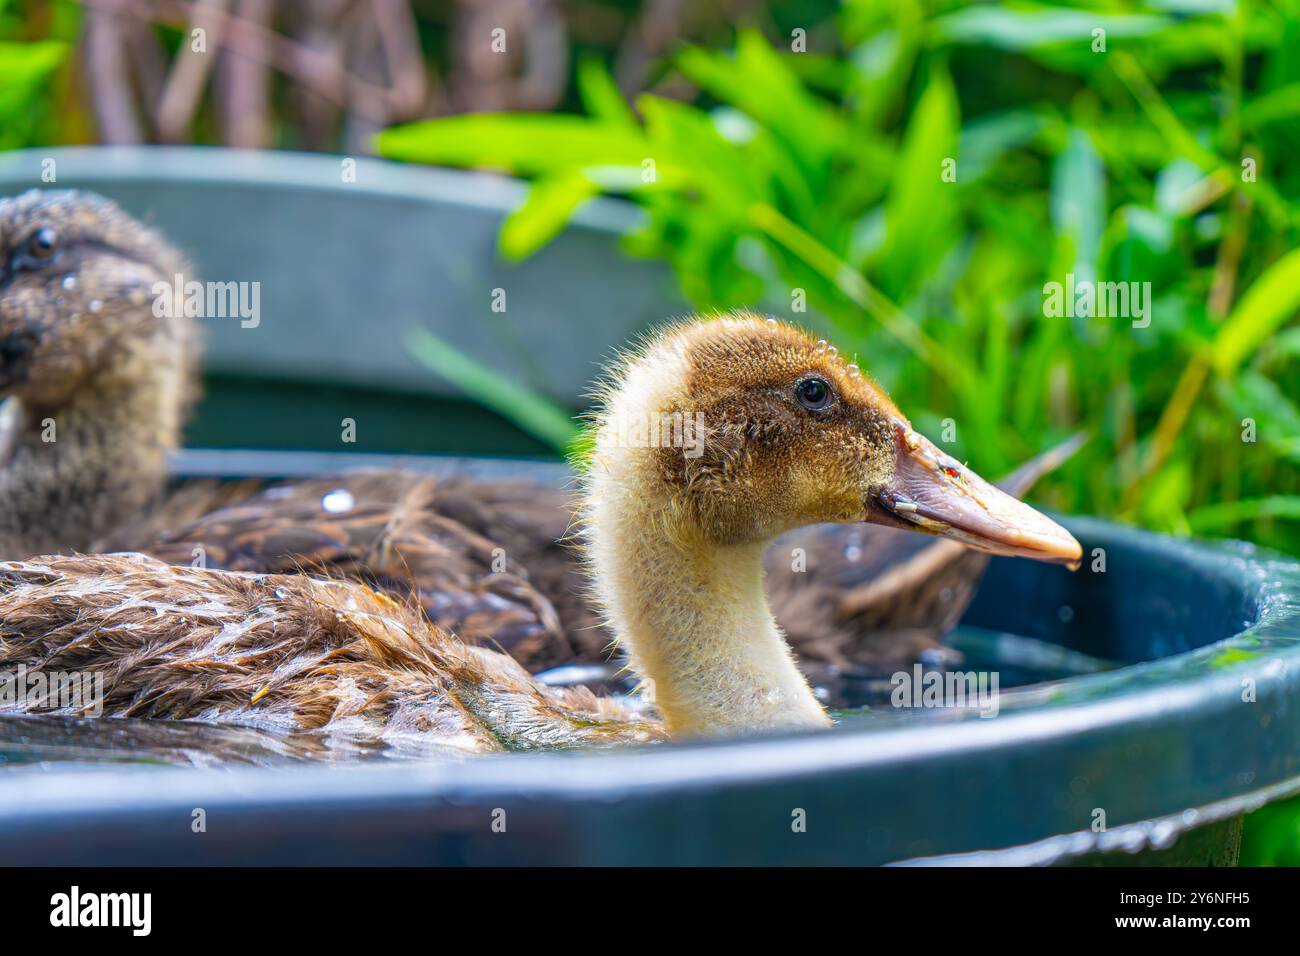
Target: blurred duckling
95,388
674,544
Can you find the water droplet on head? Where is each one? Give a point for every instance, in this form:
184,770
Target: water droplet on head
821,345
95,305
69,282
832,351
337,501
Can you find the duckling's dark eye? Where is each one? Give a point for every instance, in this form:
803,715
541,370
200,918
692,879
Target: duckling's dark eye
37,252
43,243
814,394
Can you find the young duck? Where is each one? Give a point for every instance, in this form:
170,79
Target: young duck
674,537
95,387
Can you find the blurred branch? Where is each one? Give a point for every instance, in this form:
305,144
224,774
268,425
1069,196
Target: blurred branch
190,69
148,61
115,110
529,74
243,87
400,39
319,27
321,73
650,37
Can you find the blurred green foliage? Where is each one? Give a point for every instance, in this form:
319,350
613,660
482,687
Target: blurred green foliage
919,175
1271,836
26,69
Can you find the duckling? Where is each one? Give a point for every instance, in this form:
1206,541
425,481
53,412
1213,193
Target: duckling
789,435
96,386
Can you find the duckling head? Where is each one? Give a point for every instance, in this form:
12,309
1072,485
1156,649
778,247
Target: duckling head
752,427
95,379
77,280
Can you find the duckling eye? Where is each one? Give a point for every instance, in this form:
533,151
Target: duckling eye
814,394
43,243
37,252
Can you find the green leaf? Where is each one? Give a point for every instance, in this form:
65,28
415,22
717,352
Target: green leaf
1272,299
1030,28
985,140
524,143
23,67
549,205
601,97
686,138
759,83
1215,517
1079,202
532,412
920,207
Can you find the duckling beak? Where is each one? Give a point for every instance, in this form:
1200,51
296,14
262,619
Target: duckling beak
933,493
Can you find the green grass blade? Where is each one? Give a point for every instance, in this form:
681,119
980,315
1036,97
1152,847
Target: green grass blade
1215,517
1272,299
532,412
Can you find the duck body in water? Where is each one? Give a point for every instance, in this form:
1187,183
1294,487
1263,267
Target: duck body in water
285,653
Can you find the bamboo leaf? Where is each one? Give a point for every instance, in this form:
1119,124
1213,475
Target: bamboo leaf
1031,28
549,205
601,97
524,143
1079,201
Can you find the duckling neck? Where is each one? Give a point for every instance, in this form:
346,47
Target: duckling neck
693,619
73,473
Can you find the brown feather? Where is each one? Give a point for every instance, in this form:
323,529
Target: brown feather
283,653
